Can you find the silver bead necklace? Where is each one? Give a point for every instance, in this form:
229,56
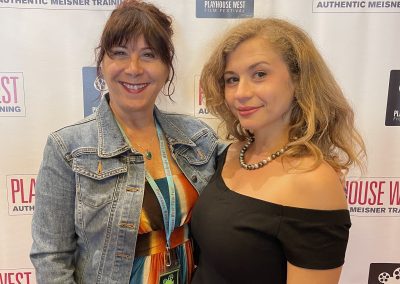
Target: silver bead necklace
261,163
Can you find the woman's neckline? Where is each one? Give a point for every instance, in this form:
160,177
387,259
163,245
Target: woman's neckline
227,189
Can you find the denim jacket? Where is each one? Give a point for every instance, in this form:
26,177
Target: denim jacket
86,217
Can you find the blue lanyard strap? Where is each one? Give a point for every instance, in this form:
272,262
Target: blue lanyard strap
169,221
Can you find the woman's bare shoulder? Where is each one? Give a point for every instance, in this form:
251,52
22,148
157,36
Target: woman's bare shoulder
319,188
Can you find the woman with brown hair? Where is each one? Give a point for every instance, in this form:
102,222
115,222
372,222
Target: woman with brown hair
275,211
115,191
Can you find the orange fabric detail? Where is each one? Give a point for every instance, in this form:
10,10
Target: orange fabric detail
158,241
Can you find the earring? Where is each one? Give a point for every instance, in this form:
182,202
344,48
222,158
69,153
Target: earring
100,84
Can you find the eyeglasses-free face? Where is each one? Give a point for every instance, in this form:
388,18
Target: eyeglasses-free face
258,86
135,75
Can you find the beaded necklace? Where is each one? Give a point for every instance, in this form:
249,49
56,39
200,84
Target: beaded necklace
261,163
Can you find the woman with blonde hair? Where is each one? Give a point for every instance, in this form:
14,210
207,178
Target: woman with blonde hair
275,211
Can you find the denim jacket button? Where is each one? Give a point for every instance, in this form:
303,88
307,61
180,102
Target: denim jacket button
193,178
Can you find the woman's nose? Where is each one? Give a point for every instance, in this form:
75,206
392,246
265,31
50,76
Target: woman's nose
243,89
134,66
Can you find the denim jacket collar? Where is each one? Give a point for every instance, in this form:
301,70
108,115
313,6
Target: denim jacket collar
173,134
111,141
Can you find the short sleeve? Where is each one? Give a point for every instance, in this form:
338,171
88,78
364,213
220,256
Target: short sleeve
314,239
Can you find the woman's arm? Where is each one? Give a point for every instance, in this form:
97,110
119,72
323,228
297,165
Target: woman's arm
298,275
53,225
320,189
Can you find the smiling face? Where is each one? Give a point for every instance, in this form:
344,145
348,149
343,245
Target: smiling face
258,87
135,75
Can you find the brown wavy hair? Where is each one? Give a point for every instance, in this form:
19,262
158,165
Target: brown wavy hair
321,118
130,20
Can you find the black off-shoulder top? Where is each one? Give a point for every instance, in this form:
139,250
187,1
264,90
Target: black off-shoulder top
241,239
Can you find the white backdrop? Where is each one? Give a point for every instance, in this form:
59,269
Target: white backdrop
44,45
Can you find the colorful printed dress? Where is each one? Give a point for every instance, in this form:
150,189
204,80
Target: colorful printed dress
151,243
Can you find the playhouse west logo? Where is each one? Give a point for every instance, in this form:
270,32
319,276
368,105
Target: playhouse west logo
374,196
393,101
200,109
12,95
91,89
224,8
17,276
21,194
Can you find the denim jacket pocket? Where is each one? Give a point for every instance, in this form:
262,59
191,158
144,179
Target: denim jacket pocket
97,179
206,142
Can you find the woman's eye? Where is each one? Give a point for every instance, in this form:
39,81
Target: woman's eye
149,54
231,80
117,52
260,74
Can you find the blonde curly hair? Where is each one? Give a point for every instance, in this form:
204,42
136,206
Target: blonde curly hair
321,118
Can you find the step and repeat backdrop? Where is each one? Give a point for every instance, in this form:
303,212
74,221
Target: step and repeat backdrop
47,80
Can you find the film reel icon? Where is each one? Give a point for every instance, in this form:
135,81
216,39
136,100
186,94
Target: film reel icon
385,277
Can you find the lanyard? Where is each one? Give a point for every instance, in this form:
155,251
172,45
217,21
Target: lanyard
169,219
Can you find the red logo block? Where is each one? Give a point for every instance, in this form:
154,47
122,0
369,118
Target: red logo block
21,194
